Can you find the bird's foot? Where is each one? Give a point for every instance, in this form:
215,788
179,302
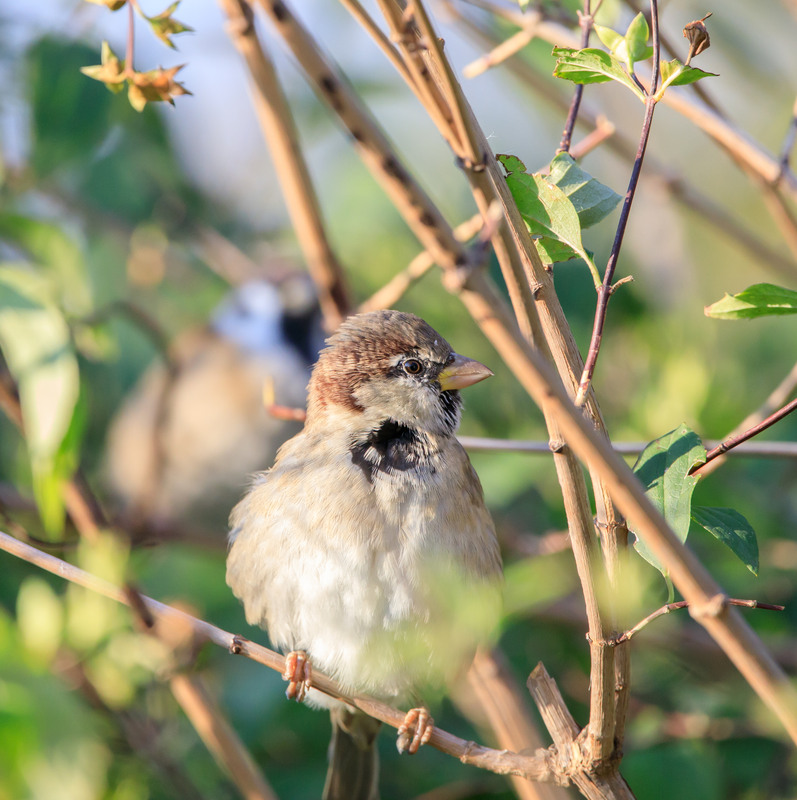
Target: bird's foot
298,673
414,731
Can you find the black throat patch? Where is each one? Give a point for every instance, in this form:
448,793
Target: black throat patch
391,447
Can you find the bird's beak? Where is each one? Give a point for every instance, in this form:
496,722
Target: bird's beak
462,372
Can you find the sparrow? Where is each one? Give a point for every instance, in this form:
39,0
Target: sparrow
367,550
179,448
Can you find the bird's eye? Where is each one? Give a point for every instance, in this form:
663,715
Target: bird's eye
412,366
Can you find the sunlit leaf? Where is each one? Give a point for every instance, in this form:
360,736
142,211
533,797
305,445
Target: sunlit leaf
592,66
40,617
636,41
663,469
733,530
591,199
48,246
674,73
35,341
547,212
759,300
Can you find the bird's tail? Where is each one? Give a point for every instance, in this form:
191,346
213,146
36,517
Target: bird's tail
353,772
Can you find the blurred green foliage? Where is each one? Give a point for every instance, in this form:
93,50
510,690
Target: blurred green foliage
103,209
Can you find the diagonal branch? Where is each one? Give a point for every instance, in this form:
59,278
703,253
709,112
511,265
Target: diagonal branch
280,132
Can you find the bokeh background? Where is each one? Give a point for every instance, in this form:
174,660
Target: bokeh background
136,201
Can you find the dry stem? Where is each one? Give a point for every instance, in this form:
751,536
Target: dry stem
297,188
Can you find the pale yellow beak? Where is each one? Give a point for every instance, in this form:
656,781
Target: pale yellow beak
462,372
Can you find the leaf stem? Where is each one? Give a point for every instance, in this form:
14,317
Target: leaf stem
606,289
129,71
737,439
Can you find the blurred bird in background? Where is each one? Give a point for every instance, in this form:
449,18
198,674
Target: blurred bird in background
183,444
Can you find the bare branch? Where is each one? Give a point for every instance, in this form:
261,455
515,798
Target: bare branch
666,609
297,188
738,438
219,736
780,394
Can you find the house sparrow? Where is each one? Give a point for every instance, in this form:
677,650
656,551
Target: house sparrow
181,443
367,549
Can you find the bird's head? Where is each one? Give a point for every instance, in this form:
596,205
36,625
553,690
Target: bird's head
392,365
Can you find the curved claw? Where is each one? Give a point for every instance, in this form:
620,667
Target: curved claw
416,730
298,673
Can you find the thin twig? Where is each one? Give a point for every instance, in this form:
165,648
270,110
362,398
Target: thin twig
585,21
506,708
537,767
666,609
280,132
397,286
779,395
500,53
736,439
749,449
788,143
606,290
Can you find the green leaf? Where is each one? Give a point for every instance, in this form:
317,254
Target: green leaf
591,199
511,163
636,41
674,73
733,530
592,66
550,215
48,246
663,469
35,341
759,300
609,37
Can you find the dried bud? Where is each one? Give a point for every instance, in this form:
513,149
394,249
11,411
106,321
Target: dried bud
698,37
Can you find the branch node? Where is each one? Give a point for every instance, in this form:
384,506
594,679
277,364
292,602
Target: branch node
557,445
712,608
469,165
237,645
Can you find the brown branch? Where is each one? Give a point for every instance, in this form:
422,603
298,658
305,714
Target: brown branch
736,439
714,125
666,609
749,449
505,706
690,577
540,766
280,132
567,740
395,288
219,737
